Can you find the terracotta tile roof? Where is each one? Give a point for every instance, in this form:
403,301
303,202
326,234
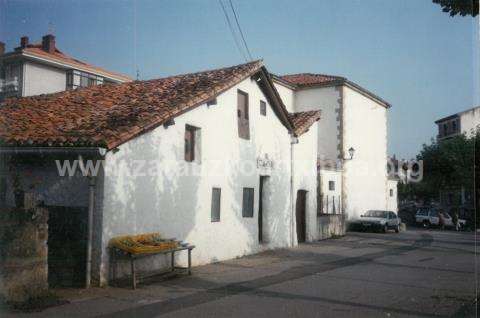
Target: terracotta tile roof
307,79
60,57
111,114
302,121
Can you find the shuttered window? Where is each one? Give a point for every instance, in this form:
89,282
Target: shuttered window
189,143
263,108
216,196
242,114
247,203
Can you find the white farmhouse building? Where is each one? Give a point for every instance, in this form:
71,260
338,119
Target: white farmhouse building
212,158
352,142
465,122
41,68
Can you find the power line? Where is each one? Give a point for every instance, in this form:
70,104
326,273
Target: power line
232,31
240,29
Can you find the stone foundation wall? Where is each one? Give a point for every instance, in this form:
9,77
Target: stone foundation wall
331,225
23,254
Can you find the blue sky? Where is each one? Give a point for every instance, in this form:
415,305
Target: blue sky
408,52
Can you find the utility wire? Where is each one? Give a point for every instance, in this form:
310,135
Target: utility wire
240,29
233,31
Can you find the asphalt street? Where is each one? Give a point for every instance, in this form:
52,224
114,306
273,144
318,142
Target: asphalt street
417,273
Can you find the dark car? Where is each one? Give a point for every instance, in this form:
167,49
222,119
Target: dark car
378,220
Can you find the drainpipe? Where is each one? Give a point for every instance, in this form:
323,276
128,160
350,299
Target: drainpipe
293,141
91,207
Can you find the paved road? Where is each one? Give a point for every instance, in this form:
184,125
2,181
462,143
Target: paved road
418,273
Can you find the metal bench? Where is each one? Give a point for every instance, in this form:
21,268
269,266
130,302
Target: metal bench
116,253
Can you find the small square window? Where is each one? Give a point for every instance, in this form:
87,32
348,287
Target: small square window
212,102
263,108
247,203
216,199
331,185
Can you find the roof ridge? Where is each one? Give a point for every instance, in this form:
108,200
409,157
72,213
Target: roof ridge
204,71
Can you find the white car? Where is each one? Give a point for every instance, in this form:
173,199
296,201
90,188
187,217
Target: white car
378,220
429,216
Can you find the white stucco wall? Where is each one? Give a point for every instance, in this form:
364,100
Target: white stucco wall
305,177
470,121
287,95
325,99
42,79
179,205
365,177
392,203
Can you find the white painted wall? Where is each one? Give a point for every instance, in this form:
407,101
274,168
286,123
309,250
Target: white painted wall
43,79
288,96
305,177
179,205
365,177
392,204
470,121
325,99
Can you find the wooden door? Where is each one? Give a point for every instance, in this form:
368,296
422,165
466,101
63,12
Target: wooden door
301,215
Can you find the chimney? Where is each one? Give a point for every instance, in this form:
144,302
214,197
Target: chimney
48,43
23,42
2,48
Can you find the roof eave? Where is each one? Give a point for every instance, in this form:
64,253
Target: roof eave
53,62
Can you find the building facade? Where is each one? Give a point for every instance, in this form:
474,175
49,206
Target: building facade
466,122
352,141
212,158
41,68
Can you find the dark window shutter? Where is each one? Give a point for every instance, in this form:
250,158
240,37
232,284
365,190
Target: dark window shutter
247,202
243,116
216,196
263,108
189,143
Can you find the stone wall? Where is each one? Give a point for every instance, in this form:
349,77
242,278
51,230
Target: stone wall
330,225
23,254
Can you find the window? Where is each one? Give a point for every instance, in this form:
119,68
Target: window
331,185
192,143
212,102
216,195
454,126
242,114
77,79
247,203
391,192
263,108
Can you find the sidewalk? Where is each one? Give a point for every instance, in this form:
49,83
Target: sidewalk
99,301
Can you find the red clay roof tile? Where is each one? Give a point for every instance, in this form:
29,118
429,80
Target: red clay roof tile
111,114
306,79
302,121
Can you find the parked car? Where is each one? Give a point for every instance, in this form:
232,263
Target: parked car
430,217
378,220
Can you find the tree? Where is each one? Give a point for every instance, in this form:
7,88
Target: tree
462,7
